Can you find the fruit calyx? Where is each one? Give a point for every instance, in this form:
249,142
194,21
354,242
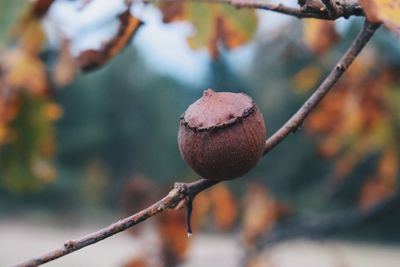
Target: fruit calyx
206,113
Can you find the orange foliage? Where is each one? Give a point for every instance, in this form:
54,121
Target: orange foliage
261,212
174,241
24,71
320,35
201,207
220,201
21,70
306,79
356,119
224,207
351,112
383,184
136,262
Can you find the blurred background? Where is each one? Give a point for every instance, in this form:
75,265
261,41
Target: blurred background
90,100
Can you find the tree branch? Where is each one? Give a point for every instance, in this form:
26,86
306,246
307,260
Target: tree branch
345,10
298,118
176,198
330,7
183,193
325,14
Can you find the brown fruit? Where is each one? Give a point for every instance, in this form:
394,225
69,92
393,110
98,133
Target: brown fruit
222,135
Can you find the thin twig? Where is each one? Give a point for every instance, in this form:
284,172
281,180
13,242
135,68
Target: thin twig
176,198
298,118
345,10
184,192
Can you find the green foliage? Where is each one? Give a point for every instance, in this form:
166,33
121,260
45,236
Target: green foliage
25,163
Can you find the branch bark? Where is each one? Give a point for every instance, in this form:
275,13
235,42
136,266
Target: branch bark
330,7
183,193
345,11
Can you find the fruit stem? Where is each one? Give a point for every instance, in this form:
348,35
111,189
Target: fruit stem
189,208
209,92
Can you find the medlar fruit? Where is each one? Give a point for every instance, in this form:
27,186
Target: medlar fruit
222,135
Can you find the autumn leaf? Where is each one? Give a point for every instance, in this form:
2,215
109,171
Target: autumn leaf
330,146
385,11
3,133
320,35
306,78
218,202
382,185
358,119
174,241
202,206
224,207
92,59
21,67
261,212
325,119
138,261
214,24
40,7
24,71
26,114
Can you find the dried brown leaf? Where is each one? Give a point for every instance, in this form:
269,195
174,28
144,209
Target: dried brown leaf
92,59
40,7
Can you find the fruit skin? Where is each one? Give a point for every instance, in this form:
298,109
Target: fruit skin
222,135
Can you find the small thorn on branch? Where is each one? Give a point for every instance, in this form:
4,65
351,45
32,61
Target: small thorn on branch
69,244
340,67
331,7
